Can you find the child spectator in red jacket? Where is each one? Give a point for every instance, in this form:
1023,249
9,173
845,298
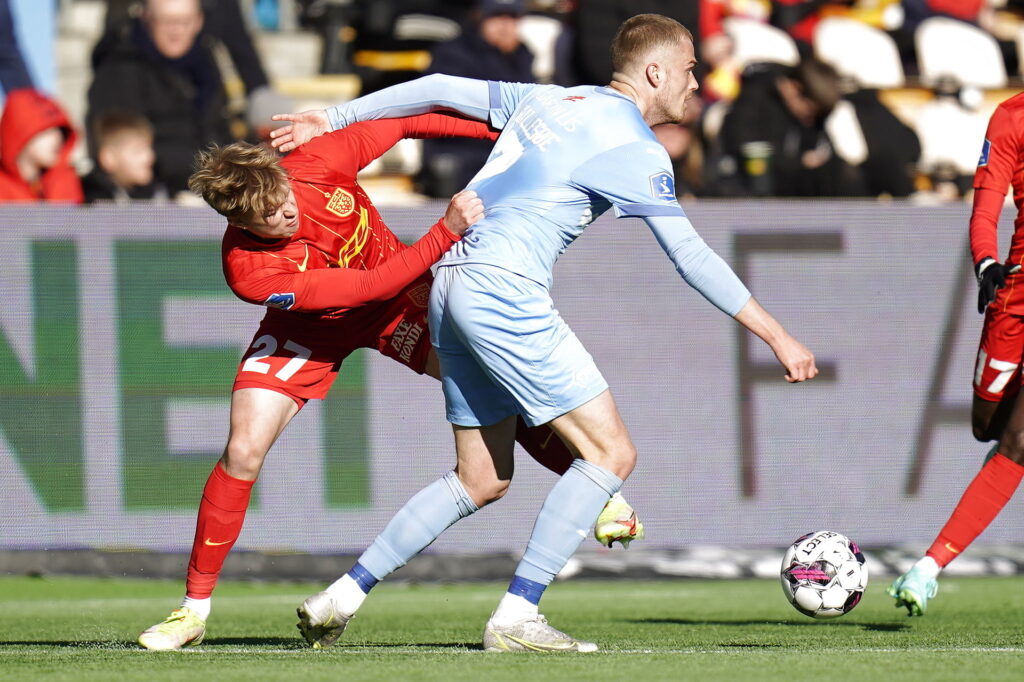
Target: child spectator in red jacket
36,139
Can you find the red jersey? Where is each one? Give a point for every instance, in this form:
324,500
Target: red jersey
1001,166
342,259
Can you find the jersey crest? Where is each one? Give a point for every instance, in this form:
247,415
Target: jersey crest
282,301
419,295
663,186
341,203
985,149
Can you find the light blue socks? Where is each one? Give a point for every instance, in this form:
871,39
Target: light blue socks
423,518
565,520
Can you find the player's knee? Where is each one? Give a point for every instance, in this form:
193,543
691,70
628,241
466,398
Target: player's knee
485,492
980,430
243,459
1011,445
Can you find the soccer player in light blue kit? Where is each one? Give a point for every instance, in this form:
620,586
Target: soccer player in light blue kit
564,157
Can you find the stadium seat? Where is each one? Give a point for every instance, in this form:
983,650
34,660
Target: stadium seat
954,49
540,34
950,135
858,51
759,42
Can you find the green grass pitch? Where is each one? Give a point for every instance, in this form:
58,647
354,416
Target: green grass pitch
84,629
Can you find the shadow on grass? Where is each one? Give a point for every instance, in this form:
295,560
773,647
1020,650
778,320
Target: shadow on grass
871,627
213,643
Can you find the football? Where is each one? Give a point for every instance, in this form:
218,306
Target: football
823,574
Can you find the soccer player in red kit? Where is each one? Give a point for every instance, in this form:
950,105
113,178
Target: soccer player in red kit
996,413
305,241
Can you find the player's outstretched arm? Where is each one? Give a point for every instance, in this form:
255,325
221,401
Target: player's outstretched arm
793,355
467,96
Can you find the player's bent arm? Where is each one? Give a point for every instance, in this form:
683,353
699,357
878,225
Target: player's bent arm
706,272
984,228
333,288
702,268
467,96
793,355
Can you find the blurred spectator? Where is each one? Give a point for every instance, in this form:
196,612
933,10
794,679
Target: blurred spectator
384,42
893,148
123,168
489,49
774,141
682,142
224,24
36,139
595,24
13,72
159,69
717,47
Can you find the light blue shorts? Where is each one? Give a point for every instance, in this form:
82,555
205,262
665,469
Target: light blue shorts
505,349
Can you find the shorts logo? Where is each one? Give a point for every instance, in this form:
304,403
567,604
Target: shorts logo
282,301
985,149
341,203
419,295
405,337
663,186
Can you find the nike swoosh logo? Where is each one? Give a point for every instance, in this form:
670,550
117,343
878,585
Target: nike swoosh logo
952,549
211,543
302,267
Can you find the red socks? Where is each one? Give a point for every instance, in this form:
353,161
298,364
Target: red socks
221,514
982,501
545,446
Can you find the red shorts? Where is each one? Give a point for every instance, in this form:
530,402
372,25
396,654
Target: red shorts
997,368
300,356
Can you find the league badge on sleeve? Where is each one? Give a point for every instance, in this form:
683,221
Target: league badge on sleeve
663,186
282,301
985,149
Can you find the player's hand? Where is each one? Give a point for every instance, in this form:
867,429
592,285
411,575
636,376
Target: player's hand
797,359
304,126
991,278
464,210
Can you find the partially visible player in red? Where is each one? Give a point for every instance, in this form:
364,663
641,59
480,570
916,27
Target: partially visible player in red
305,241
996,413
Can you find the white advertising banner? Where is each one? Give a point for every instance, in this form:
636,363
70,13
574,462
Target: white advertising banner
119,342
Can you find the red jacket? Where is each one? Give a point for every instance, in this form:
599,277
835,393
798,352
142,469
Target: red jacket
27,113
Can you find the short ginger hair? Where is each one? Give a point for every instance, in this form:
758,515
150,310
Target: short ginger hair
241,181
641,34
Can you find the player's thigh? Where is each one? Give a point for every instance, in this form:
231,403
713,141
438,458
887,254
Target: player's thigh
596,431
509,325
258,416
472,398
997,368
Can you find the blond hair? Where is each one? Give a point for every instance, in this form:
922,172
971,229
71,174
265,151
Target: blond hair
638,36
241,181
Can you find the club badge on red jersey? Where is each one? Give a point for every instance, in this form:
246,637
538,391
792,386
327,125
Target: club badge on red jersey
985,149
341,203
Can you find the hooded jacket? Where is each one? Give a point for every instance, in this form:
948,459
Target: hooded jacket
27,113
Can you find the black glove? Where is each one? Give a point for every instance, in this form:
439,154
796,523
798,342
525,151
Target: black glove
991,278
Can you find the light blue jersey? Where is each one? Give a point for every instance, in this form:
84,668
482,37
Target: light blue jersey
564,157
